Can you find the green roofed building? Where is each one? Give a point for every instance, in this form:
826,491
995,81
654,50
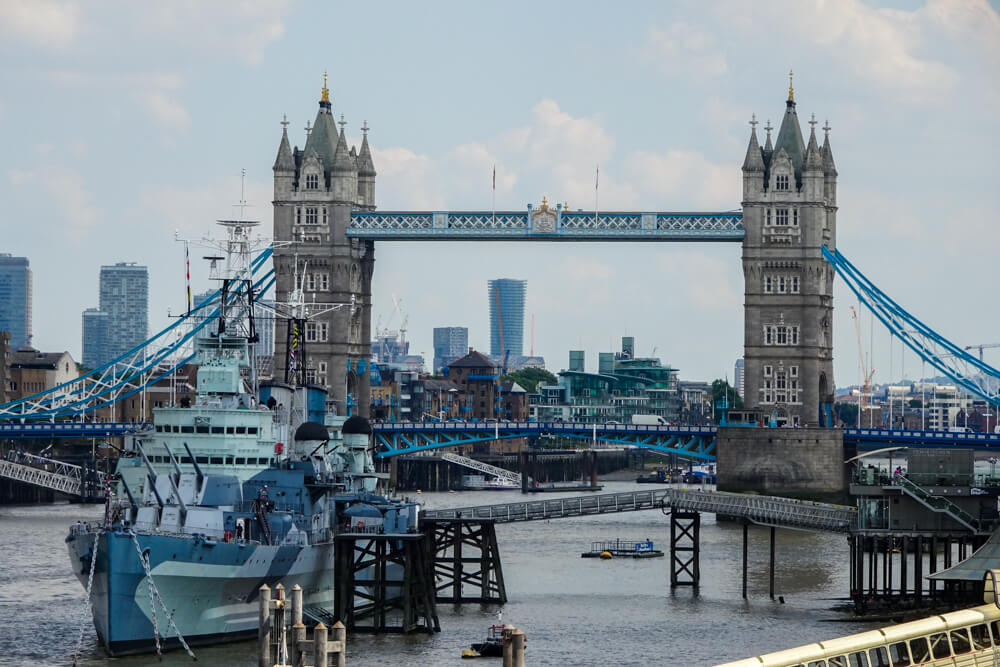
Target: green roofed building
623,387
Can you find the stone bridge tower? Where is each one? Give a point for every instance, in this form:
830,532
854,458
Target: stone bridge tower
790,213
315,190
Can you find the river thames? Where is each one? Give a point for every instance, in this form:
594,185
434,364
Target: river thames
574,611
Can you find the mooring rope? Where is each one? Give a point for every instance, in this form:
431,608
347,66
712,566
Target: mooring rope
154,591
90,600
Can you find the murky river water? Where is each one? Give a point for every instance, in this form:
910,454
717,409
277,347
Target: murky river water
574,611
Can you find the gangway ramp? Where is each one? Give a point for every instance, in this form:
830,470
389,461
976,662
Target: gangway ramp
762,510
57,481
513,477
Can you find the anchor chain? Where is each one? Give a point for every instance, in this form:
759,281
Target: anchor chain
90,600
149,583
153,590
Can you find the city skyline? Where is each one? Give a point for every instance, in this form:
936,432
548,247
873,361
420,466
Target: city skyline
15,299
662,105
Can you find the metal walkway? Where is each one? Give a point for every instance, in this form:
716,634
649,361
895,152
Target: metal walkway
763,510
60,479
502,473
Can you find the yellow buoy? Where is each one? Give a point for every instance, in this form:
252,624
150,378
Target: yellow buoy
469,653
418,491
605,555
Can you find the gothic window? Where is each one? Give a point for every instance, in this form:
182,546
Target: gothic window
781,182
781,284
768,284
781,335
311,215
781,216
794,287
310,282
795,217
312,181
323,281
793,335
317,332
768,335
298,215
310,376
767,218
324,215
793,371
321,373
768,370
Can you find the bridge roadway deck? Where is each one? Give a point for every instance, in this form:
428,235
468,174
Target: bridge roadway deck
763,510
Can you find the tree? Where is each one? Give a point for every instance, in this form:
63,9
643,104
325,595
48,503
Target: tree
847,413
530,377
722,389
916,403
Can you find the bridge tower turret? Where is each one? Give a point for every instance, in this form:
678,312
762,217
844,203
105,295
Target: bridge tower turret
789,212
315,190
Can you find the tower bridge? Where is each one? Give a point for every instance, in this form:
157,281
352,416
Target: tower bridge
324,202
324,194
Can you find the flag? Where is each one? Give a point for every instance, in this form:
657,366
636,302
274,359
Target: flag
494,178
597,176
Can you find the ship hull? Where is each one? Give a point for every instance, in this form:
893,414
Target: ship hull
210,587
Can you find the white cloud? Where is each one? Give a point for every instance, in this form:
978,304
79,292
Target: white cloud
49,24
684,176
65,187
882,46
680,49
243,28
191,211
166,111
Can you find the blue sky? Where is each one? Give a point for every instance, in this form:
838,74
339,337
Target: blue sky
123,122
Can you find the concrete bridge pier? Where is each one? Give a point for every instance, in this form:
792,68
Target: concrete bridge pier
803,463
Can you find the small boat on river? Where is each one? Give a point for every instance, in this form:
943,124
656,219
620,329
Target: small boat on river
622,549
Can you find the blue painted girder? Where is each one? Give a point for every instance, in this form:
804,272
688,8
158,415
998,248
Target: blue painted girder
395,438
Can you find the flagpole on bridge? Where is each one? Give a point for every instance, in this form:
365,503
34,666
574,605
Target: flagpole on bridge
494,194
597,182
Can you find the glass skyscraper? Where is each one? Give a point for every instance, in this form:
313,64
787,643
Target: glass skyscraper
125,298
15,299
450,344
95,337
507,316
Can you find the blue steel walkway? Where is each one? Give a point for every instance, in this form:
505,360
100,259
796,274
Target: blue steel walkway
545,224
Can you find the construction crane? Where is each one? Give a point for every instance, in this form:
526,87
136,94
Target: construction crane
981,347
863,365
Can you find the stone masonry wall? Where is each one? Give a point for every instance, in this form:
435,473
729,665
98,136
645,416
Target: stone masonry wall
805,463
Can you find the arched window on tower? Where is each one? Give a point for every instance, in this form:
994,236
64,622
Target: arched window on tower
312,181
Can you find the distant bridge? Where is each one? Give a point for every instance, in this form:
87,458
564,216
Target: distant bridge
696,443
70,429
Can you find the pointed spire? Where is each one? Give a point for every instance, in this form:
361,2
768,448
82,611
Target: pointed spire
754,160
365,165
342,160
790,136
813,160
284,161
767,144
791,90
828,166
325,96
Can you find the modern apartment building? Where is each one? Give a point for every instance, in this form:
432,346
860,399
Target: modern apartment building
506,306
15,299
450,344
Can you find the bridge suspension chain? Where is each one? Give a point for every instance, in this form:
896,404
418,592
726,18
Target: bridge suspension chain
966,370
136,369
